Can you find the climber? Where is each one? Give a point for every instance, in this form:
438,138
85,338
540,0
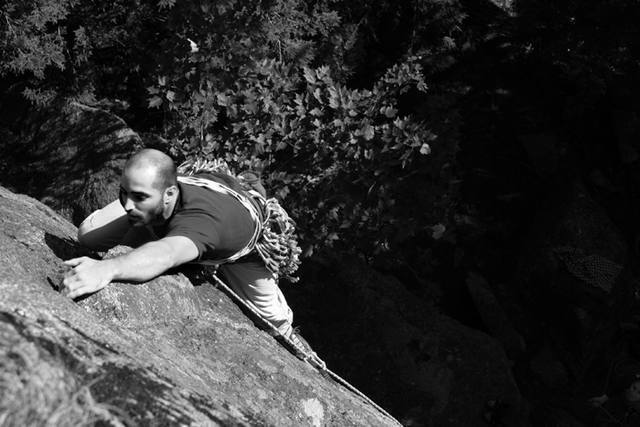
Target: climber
169,221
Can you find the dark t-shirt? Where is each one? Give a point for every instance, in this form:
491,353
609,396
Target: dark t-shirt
217,223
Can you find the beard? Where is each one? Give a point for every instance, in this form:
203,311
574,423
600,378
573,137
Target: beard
152,217
135,220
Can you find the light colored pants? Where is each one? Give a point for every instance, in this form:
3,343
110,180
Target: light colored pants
252,281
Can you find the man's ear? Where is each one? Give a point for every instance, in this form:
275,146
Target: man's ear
170,193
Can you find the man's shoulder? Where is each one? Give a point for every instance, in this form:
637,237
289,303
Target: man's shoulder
221,178
195,194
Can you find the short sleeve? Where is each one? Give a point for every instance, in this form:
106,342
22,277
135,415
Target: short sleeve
199,227
216,223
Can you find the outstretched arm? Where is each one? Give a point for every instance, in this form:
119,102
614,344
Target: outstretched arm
143,263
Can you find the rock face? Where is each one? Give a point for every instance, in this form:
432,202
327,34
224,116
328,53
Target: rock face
69,159
160,353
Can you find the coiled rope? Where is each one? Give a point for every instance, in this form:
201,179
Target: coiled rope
278,245
309,357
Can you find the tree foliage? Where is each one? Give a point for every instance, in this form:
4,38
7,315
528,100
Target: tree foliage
344,154
33,40
267,85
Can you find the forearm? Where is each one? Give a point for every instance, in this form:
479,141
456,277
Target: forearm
143,263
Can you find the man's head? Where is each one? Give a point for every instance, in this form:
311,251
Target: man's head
148,187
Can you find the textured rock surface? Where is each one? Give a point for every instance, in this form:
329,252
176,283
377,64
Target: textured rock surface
159,353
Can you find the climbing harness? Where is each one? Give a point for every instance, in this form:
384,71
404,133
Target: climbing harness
308,356
274,237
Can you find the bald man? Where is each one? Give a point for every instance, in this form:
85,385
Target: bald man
170,223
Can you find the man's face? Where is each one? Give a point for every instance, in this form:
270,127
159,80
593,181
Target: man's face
140,197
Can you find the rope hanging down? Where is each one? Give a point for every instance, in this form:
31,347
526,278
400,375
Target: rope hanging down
309,357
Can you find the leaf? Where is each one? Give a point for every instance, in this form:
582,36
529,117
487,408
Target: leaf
334,98
448,42
166,4
390,112
438,231
309,75
222,99
282,192
155,102
250,107
317,95
345,225
368,132
309,251
322,72
193,46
